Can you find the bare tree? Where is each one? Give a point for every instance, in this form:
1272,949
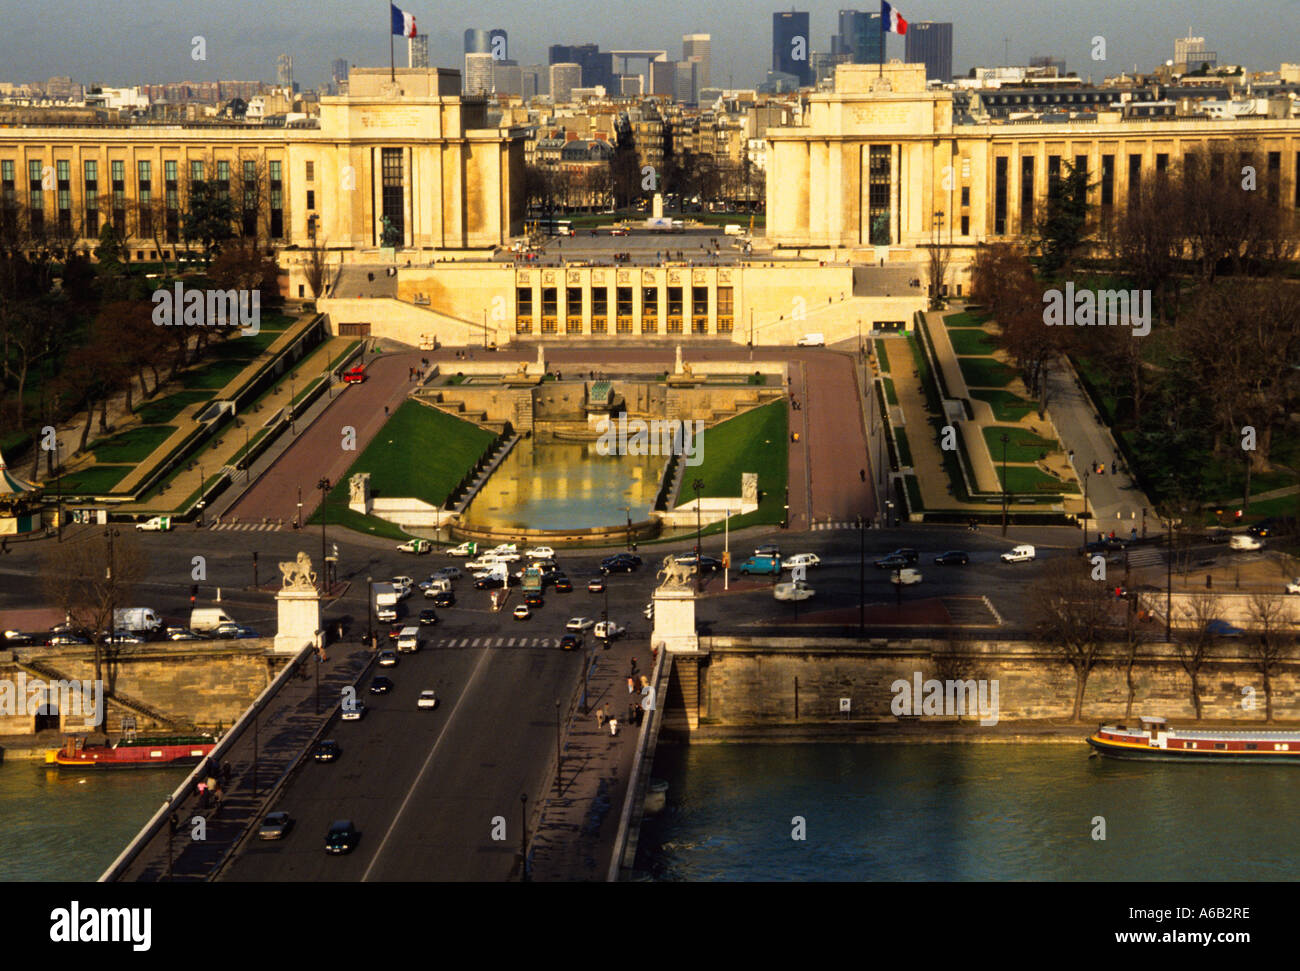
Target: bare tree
1071,615
1195,648
1271,641
92,577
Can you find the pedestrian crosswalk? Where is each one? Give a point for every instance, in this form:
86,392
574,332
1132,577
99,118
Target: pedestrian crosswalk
1145,556
849,524
249,527
472,642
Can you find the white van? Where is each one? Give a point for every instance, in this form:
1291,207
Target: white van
1244,541
408,640
812,340
209,618
1019,554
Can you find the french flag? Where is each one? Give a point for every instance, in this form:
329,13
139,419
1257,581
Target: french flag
404,23
891,21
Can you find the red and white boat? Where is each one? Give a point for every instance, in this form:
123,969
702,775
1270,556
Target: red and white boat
1156,741
132,752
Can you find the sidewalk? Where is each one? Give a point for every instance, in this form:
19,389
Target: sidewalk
282,733
574,840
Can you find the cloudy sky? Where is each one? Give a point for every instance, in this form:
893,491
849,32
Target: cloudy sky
120,43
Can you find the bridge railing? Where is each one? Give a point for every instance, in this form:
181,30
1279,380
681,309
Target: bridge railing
638,781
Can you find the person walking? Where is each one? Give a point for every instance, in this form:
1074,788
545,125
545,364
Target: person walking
633,668
631,684
613,727
600,718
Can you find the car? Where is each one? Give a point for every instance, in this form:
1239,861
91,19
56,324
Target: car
522,612
464,549
443,598
1019,554
1293,586
275,826
415,546
905,577
234,632
446,573
580,624
708,564
571,642
891,562
402,583
395,631
123,637
181,634
534,599
341,837
768,549
617,565
540,553
1262,529
762,565
60,640
596,586
494,583
158,524
952,558
356,375
563,584
427,616
908,554
618,231
607,630
1244,541
388,658
381,685
353,710
799,590
327,751
802,559
1095,548
481,563
428,699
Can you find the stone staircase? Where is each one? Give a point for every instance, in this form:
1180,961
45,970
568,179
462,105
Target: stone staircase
47,672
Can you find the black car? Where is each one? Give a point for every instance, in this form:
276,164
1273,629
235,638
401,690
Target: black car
381,685
910,556
1262,529
952,558
341,837
395,631
596,586
427,616
563,584
327,751
891,562
570,642
617,565
533,600
1096,546
444,598
710,564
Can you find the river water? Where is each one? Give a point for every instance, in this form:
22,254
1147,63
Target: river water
902,812
70,825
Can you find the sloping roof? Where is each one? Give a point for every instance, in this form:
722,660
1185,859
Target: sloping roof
10,484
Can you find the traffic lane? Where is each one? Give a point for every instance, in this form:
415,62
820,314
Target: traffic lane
381,755
837,444
502,745
318,450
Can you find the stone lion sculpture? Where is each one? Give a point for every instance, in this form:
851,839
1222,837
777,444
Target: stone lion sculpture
298,574
674,574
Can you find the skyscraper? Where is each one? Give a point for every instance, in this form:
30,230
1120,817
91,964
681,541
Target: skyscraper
860,37
564,78
284,70
597,67
930,43
339,71
790,45
478,73
1191,51
697,48
480,40
686,83
417,51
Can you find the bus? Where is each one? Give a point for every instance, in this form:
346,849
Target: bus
550,226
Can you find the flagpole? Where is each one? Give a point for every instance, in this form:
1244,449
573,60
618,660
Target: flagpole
884,36
392,64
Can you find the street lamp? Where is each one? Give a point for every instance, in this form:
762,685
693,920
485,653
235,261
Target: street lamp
862,576
1005,440
1086,515
370,601
297,523
627,511
324,486
558,756
697,485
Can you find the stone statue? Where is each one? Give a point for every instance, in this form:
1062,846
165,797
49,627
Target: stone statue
389,235
357,489
523,370
677,367
674,574
298,574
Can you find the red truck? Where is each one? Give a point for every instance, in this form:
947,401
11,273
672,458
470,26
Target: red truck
356,375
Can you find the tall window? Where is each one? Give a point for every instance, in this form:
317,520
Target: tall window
144,195
91,170
1274,177
277,201
63,173
1134,177
700,310
171,186
393,193
649,310
223,179
1053,171
196,170
250,193
550,309
1108,180
674,310
878,195
8,197
1162,162
1027,194
623,310
311,171
599,309
573,310
35,196
726,309
523,309
118,174
1000,197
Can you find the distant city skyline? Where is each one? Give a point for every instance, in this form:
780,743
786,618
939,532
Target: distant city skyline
112,48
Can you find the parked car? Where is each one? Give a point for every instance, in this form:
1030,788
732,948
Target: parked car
617,564
61,640
388,658
571,642
799,590
763,565
802,559
181,634
354,710
952,558
158,524
1019,554
607,630
768,549
381,685
428,699
327,751
464,549
341,837
415,546
275,826
234,632
123,637
522,612
905,577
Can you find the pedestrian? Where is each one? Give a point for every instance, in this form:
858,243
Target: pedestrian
607,714
600,718
862,474
645,682
631,684
385,411
613,726
633,671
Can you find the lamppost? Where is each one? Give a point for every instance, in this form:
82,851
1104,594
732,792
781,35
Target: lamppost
726,551
862,576
1169,579
324,486
297,523
370,602
1086,515
558,756
1005,440
627,511
523,836
698,485
293,430
247,463
58,490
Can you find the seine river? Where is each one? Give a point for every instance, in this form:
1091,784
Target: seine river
900,812
61,825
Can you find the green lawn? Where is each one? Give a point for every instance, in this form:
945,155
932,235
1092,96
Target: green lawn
1006,406
984,372
904,450
972,341
1024,446
914,493
135,445
94,480
420,452
891,395
214,376
757,379
882,355
965,318
756,441
163,410
1022,478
